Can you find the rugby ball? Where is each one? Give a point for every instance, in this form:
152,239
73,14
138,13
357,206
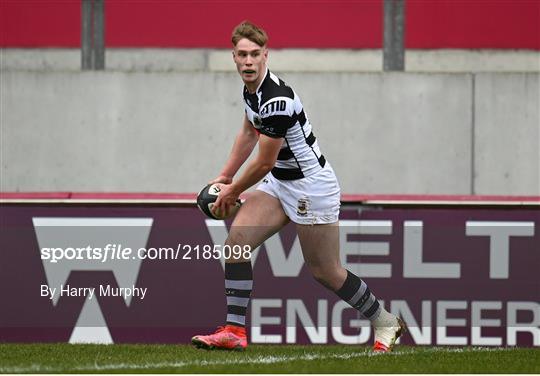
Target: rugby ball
206,198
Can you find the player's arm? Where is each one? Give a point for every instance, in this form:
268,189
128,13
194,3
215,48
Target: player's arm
264,162
245,141
276,119
266,159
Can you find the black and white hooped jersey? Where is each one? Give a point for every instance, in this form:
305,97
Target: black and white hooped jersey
275,110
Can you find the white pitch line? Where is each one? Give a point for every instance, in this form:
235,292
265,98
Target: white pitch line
261,359
181,364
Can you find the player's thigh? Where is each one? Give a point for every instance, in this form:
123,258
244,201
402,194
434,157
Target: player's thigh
260,217
320,246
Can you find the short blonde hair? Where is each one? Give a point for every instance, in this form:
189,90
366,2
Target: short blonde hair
251,32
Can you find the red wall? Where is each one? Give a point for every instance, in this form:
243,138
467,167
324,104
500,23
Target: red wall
473,24
320,23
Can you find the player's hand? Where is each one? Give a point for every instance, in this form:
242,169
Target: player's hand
226,198
221,179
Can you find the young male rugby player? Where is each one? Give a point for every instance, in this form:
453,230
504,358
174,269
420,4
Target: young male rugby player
298,185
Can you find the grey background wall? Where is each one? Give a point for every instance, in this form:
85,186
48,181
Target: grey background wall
171,131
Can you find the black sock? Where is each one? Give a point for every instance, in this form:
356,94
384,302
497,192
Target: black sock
355,292
238,286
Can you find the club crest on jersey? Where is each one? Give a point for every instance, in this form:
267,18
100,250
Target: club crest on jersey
303,206
257,122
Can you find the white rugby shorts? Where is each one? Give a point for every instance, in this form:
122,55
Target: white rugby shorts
311,200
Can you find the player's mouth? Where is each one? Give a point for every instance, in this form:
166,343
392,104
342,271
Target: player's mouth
248,71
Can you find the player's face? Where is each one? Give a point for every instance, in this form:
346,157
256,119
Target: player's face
250,60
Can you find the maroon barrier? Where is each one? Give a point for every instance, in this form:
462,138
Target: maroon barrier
459,275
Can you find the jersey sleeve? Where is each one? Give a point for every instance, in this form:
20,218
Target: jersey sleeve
277,116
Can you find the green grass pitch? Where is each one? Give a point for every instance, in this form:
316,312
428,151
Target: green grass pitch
66,358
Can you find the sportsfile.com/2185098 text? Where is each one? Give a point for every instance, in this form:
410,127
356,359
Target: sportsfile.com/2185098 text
112,252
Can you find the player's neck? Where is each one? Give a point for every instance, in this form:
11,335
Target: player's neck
253,86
